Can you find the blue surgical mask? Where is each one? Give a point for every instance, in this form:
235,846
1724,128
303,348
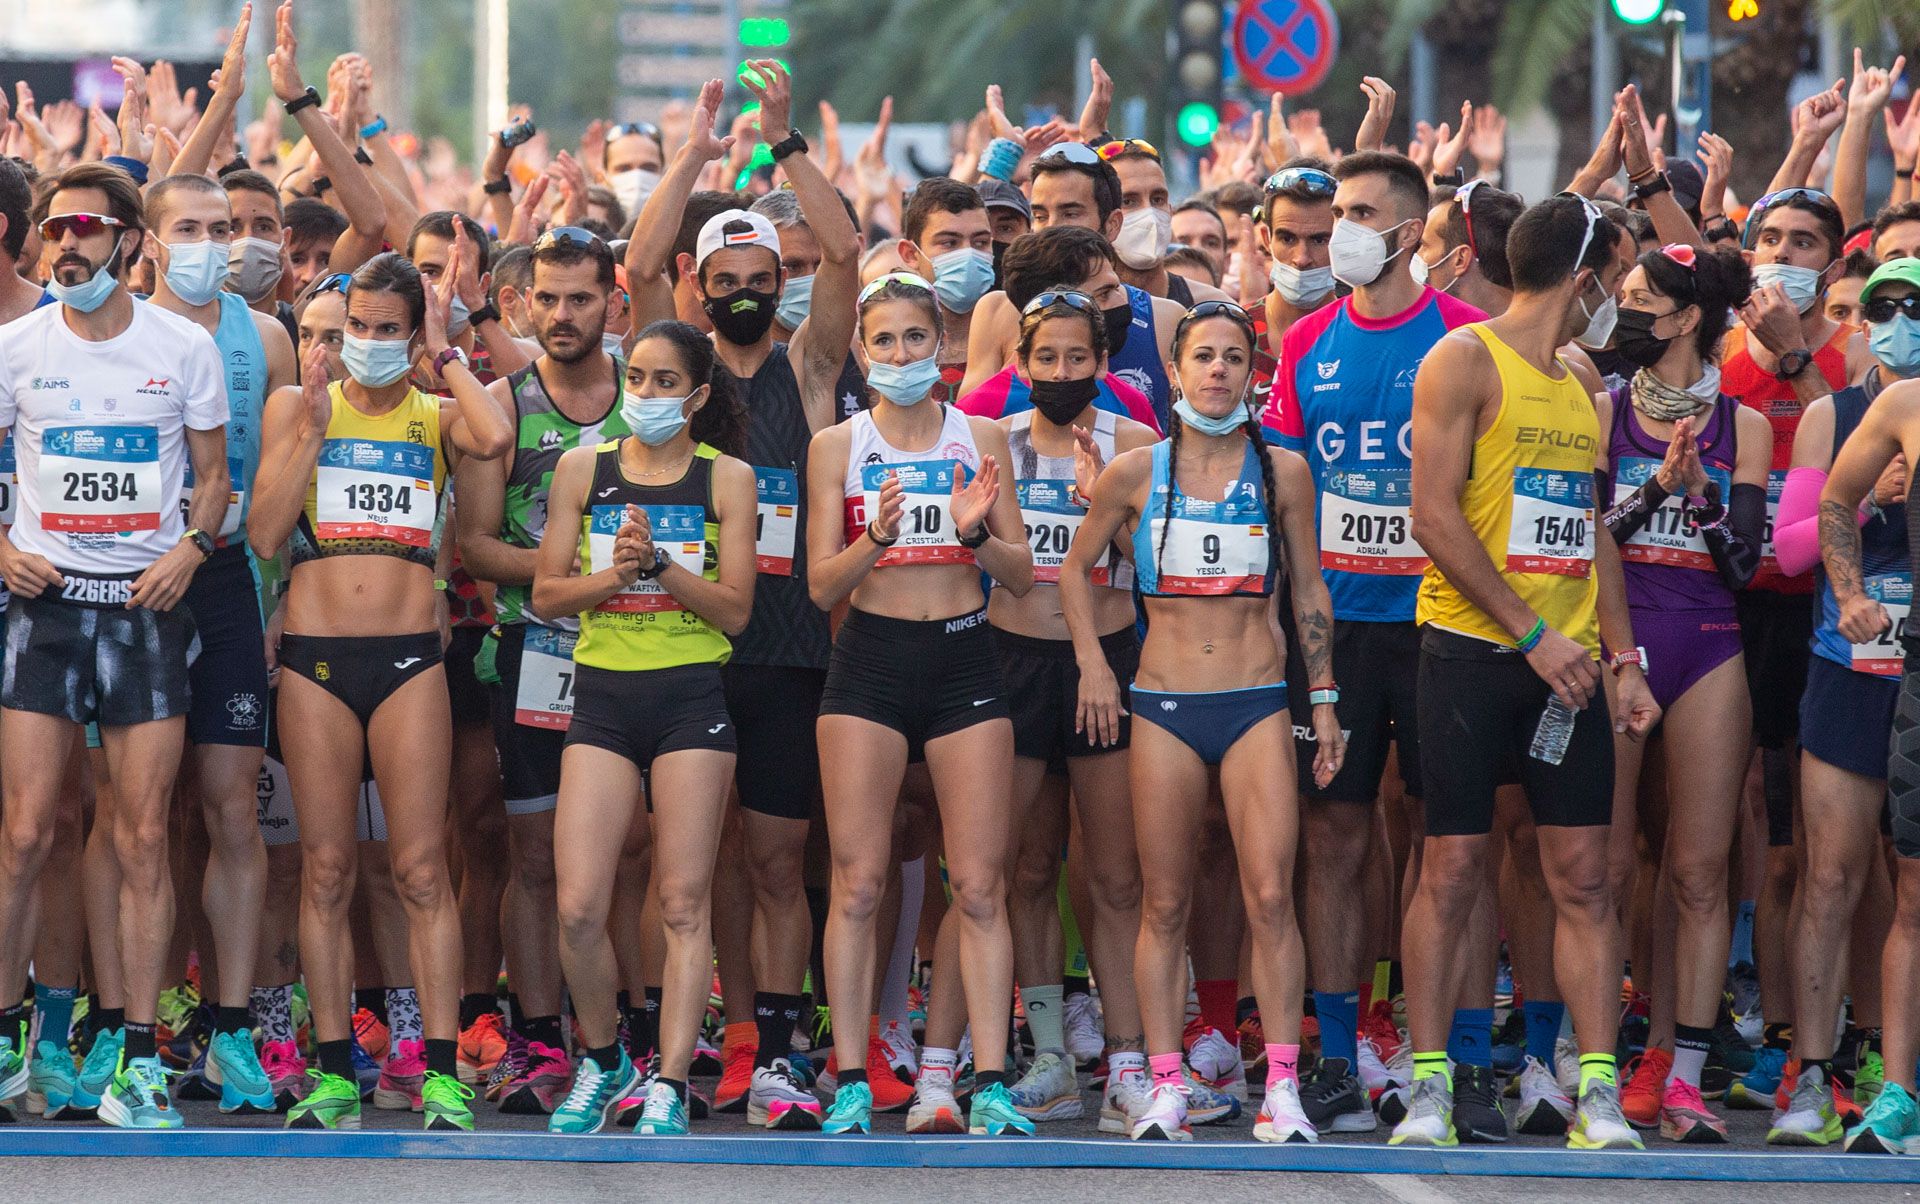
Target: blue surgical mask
376,362
796,298
88,295
654,420
1896,344
1226,424
196,270
458,316
905,384
961,278
1802,285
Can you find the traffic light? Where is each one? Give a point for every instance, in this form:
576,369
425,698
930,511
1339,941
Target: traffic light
1639,12
768,32
1196,69
1742,10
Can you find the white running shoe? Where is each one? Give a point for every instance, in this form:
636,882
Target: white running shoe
1566,1064
1375,1075
934,1109
1282,1118
1085,1039
1429,1118
1164,1118
1048,1091
1545,1110
1217,1062
1124,1098
1598,1123
777,1099
902,1054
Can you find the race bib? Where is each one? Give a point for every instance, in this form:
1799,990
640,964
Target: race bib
927,535
1366,523
545,697
1885,654
374,489
236,500
1552,523
1052,518
679,531
9,481
1669,537
1209,548
775,525
100,479
1776,484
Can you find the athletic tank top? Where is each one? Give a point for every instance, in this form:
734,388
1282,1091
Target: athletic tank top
786,629
643,626
1667,563
1138,362
1529,500
1210,547
1885,570
1179,291
243,366
927,534
376,490
1050,507
542,435
1742,377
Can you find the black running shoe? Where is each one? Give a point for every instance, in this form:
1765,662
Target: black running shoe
1476,1105
1334,1100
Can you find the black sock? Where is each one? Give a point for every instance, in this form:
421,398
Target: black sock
544,1029
1823,1065
11,1018
112,1018
607,1057
336,1057
93,1013
857,1076
623,1001
514,1014
679,1088
775,1015
233,1020
474,1006
1869,1040
1307,1007
1778,1036
139,1041
1075,984
1245,1009
374,999
443,1057
1395,984
636,1020
983,1079
649,1036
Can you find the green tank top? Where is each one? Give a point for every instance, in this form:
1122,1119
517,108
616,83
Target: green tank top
643,626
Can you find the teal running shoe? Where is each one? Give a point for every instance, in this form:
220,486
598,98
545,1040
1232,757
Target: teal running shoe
1888,1126
595,1092
138,1099
443,1098
97,1071
14,1075
331,1102
233,1065
1754,1090
50,1079
994,1115
852,1110
665,1115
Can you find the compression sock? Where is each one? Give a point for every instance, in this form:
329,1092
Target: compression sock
1339,1016
774,1016
1432,1064
403,1004
1044,1019
1690,1048
54,1008
1283,1065
1543,1027
1470,1042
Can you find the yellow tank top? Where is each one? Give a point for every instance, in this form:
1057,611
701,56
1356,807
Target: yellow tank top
376,489
1529,499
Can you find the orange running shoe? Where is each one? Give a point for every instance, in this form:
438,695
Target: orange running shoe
1640,1099
372,1032
482,1045
1844,1106
737,1051
1789,1079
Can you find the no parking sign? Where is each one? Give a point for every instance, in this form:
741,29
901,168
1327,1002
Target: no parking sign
1285,46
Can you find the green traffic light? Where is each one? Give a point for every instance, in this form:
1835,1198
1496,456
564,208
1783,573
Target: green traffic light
1197,123
1638,12
764,31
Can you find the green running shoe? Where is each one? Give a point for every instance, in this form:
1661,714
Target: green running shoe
1888,1126
138,1098
331,1102
594,1094
51,1075
993,1114
234,1064
443,1098
665,1115
14,1075
1869,1078
852,1110
97,1071
177,1006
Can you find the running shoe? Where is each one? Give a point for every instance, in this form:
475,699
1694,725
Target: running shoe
1685,1118
903,1056
731,1094
330,1102
443,1098
50,1079
372,1033
1429,1118
1283,1119
1376,1076
96,1073
935,1109
994,1114
1392,1105
366,1069
1789,1079
1566,1064
706,1059
1253,1046
1743,982
1217,1063
889,1093
852,1111
1510,1043
1754,1090
175,1013
137,1098
1891,1122
192,1083
1545,1110
1844,1106
593,1096
778,1099
627,1108
803,1070
1207,1105
1333,1101
1870,1079
482,1044
1048,1090
1598,1123
14,1075
233,1065
1730,1049
1085,1039
512,1065
1809,1118
1121,1099
1640,1098
402,1078
664,1114
1503,980
544,1078
1164,1115
184,1047
287,1072
1476,1105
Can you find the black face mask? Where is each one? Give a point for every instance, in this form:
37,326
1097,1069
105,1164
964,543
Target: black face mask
1061,401
999,253
1634,340
1119,321
743,316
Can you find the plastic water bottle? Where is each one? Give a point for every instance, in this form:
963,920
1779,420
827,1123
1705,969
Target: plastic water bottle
1555,732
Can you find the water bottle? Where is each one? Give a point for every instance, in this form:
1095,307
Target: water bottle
1555,732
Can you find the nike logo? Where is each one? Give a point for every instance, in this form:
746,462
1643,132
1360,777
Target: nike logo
714,731
609,491
980,702
412,660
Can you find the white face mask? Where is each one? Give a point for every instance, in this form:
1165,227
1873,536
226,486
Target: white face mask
1359,254
1802,285
633,187
1300,288
1599,322
1145,235
1422,273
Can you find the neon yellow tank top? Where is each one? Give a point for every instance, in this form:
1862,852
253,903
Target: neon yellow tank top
376,488
1529,499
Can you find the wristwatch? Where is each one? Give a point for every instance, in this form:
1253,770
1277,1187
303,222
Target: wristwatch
660,562
1658,184
201,540
1454,178
974,541
1632,656
793,143
497,187
441,361
486,313
1793,363
361,156
306,99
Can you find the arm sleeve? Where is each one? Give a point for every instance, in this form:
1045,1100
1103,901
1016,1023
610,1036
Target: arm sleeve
1796,531
1626,518
1735,543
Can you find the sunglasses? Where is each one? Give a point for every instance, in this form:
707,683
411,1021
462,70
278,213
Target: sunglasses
83,225
1130,146
646,129
1681,254
1594,218
1072,152
1464,195
1216,309
905,278
1310,180
1813,196
569,236
1884,309
336,283
1067,297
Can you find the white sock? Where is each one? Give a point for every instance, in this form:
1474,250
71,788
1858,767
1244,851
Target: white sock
403,1012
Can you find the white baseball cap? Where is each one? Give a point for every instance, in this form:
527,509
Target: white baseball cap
715,236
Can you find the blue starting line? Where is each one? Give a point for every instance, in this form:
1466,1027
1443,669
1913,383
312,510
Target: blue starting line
896,1152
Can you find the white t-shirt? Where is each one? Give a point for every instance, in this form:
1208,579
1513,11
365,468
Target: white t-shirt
98,434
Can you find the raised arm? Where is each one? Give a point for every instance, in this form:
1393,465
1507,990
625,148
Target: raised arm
352,186
1872,88
196,153
659,221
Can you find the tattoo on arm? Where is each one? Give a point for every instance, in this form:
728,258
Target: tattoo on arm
1316,642
1840,548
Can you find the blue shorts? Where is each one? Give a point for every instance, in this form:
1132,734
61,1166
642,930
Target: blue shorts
1846,717
229,677
1209,723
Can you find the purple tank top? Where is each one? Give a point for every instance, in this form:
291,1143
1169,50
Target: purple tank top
1667,563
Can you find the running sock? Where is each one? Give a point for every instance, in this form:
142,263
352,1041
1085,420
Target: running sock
54,1007
1432,1064
1396,984
940,1059
544,1029
1778,1036
474,1006
1166,1070
1044,1019
1339,1015
403,1008
1598,1068
1075,984
140,1042
851,1075
606,1057
110,1019
1120,1065
679,1088
374,999
1543,1027
1742,950
230,1020
1283,1064
774,1017
1217,997
443,1057
1690,1048
652,1022
273,1012
335,1057
983,1079
15,1018
1470,1041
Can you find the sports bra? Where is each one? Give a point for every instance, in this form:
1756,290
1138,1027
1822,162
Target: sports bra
1210,548
376,489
